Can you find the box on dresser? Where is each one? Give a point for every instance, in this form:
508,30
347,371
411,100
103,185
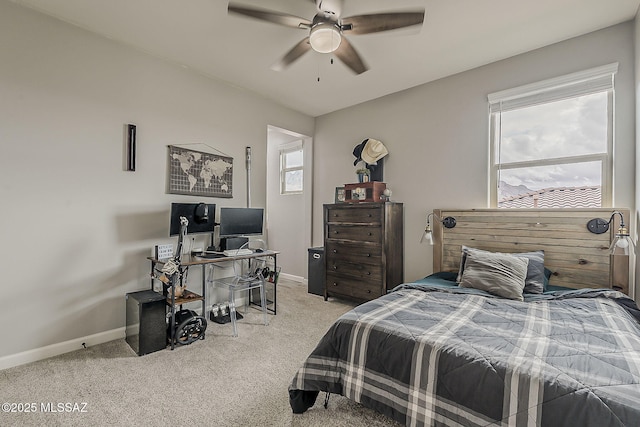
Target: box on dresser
364,249
364,192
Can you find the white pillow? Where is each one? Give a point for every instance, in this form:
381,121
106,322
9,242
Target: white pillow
534,282
499,274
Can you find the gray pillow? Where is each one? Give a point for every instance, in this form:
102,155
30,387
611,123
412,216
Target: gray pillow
534,283
499,274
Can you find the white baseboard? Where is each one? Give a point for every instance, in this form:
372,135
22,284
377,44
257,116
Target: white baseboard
292,277
59,348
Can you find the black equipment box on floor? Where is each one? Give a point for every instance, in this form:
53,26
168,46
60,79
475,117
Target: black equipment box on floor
146,329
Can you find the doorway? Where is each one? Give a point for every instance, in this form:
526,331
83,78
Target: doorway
289,213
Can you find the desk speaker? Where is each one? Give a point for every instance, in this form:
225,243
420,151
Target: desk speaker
146,329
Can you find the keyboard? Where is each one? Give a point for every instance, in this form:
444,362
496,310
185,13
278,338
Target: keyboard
237,252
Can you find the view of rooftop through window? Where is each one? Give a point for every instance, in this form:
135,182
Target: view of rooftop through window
553,154
291,169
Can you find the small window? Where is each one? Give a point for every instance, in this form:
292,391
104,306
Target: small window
552,142
291,168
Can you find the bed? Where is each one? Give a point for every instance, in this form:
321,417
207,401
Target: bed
434,352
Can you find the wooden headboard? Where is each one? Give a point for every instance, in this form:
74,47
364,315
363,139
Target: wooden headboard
577,257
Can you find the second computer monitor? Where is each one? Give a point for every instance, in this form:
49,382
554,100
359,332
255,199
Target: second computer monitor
241,221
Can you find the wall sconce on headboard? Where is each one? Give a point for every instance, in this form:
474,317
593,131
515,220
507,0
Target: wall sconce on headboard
427,236
622,243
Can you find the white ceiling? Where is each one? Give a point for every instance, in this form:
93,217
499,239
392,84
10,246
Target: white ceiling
457,35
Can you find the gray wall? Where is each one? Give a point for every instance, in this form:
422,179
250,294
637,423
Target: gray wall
437,134
75,227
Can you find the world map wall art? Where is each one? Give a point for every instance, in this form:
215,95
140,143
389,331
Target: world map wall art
197,173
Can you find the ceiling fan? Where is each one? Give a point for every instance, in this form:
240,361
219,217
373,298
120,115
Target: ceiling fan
327,29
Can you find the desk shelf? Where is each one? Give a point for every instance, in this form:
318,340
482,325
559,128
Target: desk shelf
175,304
186,297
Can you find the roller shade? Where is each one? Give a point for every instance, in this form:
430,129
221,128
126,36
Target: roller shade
571,85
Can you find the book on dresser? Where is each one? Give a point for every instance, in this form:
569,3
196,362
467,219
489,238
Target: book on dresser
364,249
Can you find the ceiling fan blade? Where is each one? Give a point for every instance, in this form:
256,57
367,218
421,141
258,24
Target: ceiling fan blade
377,22
270,16
347,54
296,52
329,7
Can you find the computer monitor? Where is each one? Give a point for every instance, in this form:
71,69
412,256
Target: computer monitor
241,221
201,217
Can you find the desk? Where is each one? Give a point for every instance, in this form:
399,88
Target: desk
191,260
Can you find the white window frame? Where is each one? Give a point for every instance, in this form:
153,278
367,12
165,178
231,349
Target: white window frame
581,83
284,150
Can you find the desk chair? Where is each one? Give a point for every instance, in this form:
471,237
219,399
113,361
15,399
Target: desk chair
245,279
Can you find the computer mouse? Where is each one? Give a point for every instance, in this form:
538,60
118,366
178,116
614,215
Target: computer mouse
259,250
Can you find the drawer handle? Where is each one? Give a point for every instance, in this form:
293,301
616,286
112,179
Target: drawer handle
335,232
335,267
335,251
370,215
335,284
316,256
368,255
370,234
368,291
368,273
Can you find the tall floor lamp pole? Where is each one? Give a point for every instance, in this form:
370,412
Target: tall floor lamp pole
248,165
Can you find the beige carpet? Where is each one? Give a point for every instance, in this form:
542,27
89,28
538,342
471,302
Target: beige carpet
221,380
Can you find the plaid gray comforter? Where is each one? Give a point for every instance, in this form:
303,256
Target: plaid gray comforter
427,355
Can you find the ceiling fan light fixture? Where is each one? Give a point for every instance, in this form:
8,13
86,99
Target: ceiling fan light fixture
325,37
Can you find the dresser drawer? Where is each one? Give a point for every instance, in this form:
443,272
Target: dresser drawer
353,288
361,233
355,214
356,270
356,252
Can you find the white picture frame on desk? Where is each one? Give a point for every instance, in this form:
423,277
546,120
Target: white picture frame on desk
163,252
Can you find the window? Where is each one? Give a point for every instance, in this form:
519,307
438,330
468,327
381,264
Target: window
291,168
552,142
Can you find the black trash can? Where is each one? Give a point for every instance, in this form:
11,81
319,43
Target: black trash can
316,275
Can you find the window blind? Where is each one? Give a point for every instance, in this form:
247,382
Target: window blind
571,85
290,146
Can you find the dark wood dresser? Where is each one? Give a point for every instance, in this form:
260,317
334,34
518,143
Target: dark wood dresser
364,249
